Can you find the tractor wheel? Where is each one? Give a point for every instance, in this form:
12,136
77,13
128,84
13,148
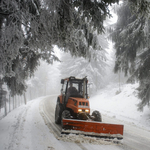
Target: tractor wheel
65,115
97,116
58,112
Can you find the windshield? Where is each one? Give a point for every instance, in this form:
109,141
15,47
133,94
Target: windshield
77,88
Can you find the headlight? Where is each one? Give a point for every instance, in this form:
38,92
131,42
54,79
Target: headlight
79,110
86,110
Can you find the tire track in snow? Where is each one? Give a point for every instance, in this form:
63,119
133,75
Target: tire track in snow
47,119
18,129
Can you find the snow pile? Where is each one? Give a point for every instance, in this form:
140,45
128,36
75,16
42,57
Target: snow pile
121,104
88,139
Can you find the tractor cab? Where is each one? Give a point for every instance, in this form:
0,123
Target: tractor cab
73,87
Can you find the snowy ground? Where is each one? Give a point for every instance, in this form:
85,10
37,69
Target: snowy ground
25,129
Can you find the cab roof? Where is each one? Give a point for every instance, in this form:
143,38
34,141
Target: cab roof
72,78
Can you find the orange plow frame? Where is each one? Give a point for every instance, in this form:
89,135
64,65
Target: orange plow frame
93,128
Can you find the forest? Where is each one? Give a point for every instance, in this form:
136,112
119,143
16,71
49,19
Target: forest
30,30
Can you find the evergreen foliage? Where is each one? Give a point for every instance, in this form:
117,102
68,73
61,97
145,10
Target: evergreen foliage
30,28
131,37
93,67
45,81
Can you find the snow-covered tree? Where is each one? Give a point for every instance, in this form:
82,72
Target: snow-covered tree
30,28
46,81
131,37
93,67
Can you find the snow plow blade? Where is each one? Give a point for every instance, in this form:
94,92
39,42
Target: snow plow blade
92,128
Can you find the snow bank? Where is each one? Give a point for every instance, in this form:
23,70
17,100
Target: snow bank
121,104
88,139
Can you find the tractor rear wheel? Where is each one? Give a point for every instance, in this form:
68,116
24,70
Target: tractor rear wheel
58,112
97,116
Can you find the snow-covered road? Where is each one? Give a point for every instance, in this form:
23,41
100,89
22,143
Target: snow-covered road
134,137
25,129
32,127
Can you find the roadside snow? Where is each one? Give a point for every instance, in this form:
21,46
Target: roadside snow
121,105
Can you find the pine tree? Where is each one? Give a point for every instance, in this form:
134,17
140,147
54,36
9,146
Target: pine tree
45,81
93,67
131,37
30,28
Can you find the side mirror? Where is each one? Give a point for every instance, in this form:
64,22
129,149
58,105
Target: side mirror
62,81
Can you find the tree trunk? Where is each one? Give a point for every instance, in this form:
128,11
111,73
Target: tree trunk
5,107
13,103
9,102
25,101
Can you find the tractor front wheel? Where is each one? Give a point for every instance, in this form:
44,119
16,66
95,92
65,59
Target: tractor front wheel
97,116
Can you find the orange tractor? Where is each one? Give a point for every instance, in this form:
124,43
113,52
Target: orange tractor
73,112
